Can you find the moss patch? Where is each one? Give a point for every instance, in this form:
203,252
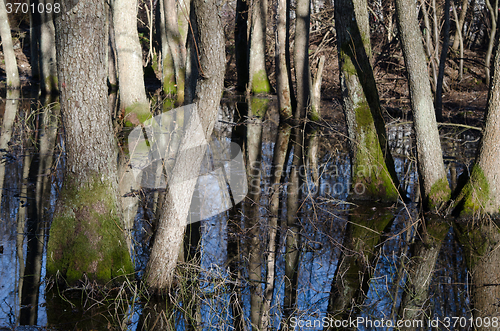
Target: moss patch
473,196
85,235
260,82
259,106
439,194
137,112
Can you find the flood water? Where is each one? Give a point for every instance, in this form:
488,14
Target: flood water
327,257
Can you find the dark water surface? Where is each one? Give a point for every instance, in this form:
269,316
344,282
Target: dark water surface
362,250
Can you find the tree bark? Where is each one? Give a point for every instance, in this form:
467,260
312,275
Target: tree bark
129,54
301,58
373,174
494,19
208,91
86,237
11,71
432,174
258,80
283,59
47,58
442,62
481,195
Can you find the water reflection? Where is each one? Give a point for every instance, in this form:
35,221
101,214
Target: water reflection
295,253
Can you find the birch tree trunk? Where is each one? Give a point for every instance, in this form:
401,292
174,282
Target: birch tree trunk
86,236
208,91
11,71
432,175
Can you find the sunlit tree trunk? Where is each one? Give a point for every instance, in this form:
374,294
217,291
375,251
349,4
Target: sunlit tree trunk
373,174
86,235
442,62
129,55
432,175
207,93
459,23
11,71
258,80
493,9
47,58
283,59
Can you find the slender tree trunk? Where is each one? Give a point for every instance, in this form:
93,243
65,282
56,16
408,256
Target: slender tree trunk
301,58
373,174
130,72
494,19
207,94
316,91
48,64
460,40
459,23
283,59
86,236
429,43
258,80
11,71
442,62
432,175
176,46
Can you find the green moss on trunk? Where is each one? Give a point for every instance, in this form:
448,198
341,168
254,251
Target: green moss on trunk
440,193
473,196
260,82
137,113
86,235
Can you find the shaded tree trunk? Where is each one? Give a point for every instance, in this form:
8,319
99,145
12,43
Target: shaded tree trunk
432,175
442,62
207,93
86,236
373,174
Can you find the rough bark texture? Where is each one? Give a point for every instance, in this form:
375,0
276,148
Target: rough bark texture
173,221
129,55
373,174
432,174
481,195
8,50
86,236
258,80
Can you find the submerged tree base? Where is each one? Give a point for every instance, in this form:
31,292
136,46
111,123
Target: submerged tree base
86,239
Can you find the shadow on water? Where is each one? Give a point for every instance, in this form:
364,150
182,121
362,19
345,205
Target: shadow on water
294,254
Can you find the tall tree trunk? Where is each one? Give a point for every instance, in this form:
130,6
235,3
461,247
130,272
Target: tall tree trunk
86,236
442,62
208,91
258,80
301,57
176,46
373,174
494,19
283,59
432,174
11,71
459,23
130,73
481,195
47,58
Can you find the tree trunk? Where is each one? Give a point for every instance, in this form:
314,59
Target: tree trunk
442,62
494,19
481,195
11,71
47,58
373,174
432,174
173,221
258,80
130,73
301,58
176,46
283,59
86,239
241,44
459,23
